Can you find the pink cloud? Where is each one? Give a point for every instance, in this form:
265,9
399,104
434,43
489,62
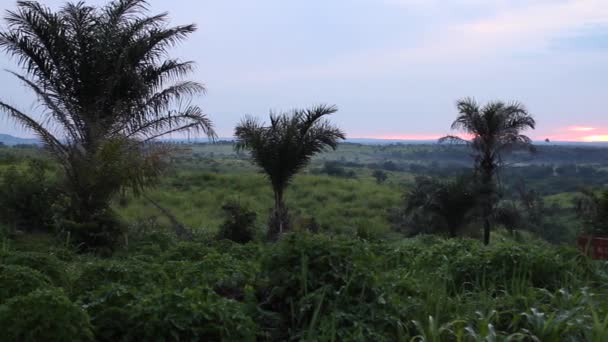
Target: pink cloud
581,129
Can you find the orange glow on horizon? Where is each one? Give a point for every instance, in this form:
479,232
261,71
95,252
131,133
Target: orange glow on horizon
596,138
412,136
571,137
406,137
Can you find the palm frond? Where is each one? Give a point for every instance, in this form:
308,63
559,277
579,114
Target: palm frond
50,141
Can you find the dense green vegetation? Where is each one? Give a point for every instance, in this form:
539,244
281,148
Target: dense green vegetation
357,278
310,287
109,234
103,76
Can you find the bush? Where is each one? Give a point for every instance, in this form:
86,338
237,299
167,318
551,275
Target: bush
128,272
186,251
27,197
44,315
18,280
101,234
330,282
466,263
46,264
197,314
222,272
239,225
110,307
380,176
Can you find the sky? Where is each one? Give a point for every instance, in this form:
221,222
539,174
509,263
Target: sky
394,68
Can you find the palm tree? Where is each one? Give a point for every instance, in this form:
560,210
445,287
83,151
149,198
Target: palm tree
592,207
107,87
284,148
494,129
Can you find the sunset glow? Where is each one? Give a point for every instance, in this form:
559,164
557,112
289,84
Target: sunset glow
406,137
577,133
596,138
571,133
581,129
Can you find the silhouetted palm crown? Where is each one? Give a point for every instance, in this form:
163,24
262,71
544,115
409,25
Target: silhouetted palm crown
494,128
286,146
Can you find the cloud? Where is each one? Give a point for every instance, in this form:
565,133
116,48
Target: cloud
511,28
580,129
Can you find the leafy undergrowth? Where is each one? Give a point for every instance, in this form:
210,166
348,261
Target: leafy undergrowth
305,287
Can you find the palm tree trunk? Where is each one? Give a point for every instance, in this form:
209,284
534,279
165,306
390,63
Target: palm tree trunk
279,221
488,197
486,230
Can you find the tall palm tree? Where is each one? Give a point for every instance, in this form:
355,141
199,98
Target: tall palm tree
284,148
107,86
495,129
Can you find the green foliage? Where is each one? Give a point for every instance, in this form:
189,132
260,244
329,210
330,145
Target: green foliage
95,274
495,128
109,307
100,233
103,76
27,197
46,264
188,315
239,225
44,315
466,264
227,275
439,206
18,280
335,169
593,209
325,287
380,176
337,205
284,148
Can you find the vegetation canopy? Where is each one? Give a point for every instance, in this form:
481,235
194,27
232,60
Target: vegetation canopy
107,87
285,147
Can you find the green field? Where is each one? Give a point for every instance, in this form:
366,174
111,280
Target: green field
356,279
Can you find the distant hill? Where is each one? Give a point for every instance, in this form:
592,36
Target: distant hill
10,140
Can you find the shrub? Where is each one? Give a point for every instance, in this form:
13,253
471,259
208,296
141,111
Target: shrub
27,197
222,272
197,314
239,225
109,307
44,315
18,280
466,263
380,176
101,234
128,272
318,282
186,251
46,264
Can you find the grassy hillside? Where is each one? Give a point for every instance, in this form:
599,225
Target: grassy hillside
339,205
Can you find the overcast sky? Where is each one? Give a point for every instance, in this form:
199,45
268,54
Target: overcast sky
393,67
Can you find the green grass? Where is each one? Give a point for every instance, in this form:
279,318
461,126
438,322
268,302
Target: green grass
340,205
